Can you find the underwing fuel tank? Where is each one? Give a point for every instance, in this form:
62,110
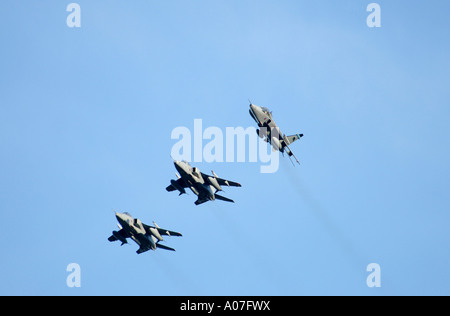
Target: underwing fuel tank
178,187
214,183
276,144
156,233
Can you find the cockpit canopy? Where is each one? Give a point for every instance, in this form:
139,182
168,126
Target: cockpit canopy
266,111
186,162
196,172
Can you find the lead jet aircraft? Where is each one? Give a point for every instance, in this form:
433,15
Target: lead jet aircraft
147,237
204,186
270,132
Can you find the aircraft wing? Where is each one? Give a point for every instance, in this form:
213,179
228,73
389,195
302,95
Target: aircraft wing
169,232
228,183
166,232
290,139
122,233
163,231
180,182
220,180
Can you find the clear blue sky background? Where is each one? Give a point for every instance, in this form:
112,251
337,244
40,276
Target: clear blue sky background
86,116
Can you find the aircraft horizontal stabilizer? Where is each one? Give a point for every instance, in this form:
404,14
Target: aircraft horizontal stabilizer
219,197
164,247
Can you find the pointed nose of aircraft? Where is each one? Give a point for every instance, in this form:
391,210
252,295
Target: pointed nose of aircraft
177,164
119,216
123,217
255,112
254,108
180,166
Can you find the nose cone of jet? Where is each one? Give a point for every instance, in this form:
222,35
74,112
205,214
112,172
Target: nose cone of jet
122,218
178,165
255,109
119,216
181,166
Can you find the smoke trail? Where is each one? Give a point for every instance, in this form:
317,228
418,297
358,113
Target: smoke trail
228,223
246,245
322,215
173,273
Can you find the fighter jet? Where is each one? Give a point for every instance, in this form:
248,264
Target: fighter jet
147,237
270,132
204,186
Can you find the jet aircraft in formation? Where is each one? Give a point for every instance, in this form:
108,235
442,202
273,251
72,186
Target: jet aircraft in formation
203,185
147,237
271,133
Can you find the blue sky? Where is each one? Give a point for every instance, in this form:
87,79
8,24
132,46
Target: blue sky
86,117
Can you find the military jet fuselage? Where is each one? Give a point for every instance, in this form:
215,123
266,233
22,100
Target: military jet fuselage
147,237
193,177
202,185
270,132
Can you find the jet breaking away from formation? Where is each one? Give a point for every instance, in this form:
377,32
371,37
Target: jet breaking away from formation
270,132
147,237
204,186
